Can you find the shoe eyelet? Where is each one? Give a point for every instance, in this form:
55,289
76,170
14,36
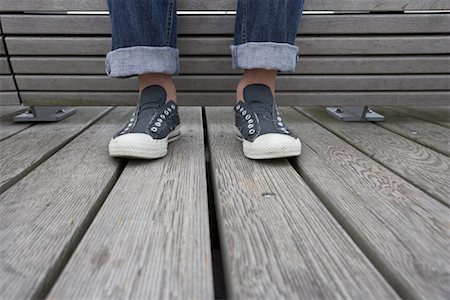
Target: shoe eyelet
154,129
172,106
169,109
241,109
280,124
166,112
159,120
238,107
247,117
158,124
162,116
250,121
250,126
244,112
279,119
251,131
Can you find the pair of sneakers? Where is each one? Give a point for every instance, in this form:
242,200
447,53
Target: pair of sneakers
156,123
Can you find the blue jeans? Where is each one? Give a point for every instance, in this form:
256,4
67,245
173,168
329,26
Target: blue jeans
144,36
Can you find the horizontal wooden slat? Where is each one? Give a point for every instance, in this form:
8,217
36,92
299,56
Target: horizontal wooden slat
4,65
2,46
8,127
208,98
229,83
376,5
7,83
9,98
222,65
219,24
343,45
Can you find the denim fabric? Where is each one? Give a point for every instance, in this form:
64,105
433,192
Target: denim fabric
144,36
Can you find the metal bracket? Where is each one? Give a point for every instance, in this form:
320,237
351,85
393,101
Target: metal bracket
355,114
45,114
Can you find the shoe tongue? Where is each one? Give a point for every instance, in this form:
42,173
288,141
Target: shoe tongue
152,97
258,93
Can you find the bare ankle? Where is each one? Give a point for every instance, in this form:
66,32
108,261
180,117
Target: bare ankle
163,80
256,76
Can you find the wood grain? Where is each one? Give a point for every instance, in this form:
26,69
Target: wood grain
224,24
7,126
227,98
425,133
423,167
44,215
401,229
150,240
308,45
29,148
278,240
229,82
439,114
9,98
346,5
389,64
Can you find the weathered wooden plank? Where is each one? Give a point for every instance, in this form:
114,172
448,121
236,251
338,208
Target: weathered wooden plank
9,98
7,83
7,126
229,83
430,64
44,215
321,45
425,133
439,115
31,147
4,65
346,5
402,230
2,46
157,229
278,240
423,167
224,24
210,98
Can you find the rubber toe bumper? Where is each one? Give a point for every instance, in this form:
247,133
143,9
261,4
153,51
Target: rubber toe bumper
272,145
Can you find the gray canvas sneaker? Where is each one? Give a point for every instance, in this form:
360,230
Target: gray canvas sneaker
260,127
150,129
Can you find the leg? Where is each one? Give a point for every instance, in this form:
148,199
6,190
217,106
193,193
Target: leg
265,34
144,44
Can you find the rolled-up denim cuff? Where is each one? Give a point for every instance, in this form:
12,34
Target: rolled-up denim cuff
136,60
265,55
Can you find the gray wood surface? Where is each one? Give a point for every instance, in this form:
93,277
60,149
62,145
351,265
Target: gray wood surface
278,240
401,229
439,115
346,5
425,133
150,240
423,167
4,65
210,98
221,24
408,64
9,98
7,83
44,215
7,126
309,45
29,148
2,46
229,83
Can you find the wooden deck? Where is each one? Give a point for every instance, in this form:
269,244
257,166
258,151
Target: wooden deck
363,213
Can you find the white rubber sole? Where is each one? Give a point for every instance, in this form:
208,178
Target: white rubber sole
271,145
141,145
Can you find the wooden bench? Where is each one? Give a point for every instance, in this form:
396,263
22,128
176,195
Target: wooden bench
369,52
